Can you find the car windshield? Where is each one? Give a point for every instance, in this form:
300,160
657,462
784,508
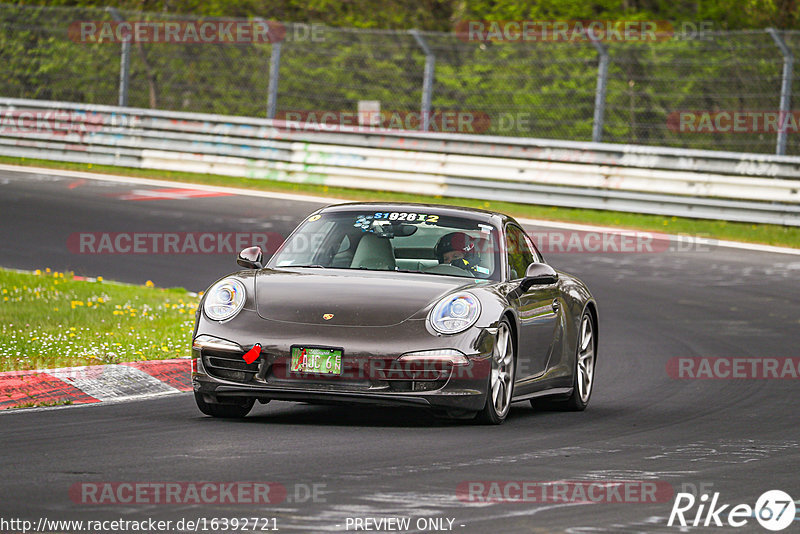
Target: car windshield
412,240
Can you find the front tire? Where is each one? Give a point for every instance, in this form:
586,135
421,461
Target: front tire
501,378
236,410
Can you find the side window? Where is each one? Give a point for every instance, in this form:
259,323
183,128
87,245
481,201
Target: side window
537,256
519,251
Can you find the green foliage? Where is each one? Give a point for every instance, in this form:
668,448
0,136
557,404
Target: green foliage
440,15
531,89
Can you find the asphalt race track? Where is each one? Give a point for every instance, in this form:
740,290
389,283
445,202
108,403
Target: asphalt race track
736,437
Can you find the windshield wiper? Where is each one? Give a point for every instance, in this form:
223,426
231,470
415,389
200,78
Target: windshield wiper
311,266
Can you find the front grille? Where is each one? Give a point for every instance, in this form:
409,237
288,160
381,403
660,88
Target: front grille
409,386
229,365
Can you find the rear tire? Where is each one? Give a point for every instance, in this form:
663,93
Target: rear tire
239,407
501,378
583,375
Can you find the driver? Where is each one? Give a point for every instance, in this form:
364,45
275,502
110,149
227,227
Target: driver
456,249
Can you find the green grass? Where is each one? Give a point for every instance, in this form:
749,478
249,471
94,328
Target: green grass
34,404
788,236
50,320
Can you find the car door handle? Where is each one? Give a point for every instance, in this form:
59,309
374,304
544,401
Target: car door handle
556,305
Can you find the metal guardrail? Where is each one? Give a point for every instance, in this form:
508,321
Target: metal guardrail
664,181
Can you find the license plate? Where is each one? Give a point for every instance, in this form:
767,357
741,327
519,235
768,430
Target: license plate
317,360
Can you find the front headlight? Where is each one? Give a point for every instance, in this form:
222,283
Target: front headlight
224,299
455,313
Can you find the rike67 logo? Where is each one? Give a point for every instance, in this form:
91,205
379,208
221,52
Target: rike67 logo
775,510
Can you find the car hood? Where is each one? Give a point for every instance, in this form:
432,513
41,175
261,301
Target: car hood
355,298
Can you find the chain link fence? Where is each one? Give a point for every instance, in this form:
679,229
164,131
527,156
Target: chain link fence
532,89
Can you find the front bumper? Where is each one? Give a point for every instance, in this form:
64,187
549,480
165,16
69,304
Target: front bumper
372,371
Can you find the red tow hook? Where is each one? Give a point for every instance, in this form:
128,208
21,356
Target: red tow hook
252,355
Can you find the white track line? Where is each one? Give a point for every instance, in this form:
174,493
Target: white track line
167,183
120,400
754,247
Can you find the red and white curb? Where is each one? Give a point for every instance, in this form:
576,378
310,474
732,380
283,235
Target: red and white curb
94,383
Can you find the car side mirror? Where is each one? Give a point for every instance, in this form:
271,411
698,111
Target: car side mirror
538,274
250,258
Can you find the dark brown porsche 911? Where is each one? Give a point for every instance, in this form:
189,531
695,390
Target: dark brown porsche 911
449,309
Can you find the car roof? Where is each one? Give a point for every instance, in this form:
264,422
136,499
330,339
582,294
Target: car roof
435,209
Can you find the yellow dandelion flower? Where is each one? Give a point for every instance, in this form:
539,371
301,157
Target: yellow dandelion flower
47,270
149,283
100,300
37,272
99,278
